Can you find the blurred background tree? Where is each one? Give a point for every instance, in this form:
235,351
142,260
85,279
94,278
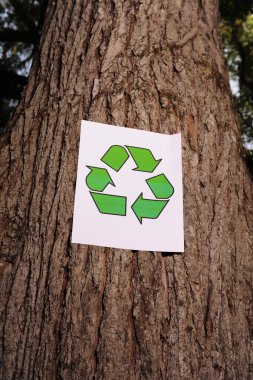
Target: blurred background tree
237,35
20,27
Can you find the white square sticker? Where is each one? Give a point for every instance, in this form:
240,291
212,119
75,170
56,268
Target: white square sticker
129,189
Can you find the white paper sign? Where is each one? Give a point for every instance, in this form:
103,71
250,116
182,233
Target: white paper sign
129,189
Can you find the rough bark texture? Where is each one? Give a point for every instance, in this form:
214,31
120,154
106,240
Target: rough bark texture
79,312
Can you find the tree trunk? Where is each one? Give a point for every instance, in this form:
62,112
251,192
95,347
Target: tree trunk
81,312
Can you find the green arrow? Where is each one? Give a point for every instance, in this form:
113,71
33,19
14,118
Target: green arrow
98,179
110,204
144,159
115,157
160,186
148,208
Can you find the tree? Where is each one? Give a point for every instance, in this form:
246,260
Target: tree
70,311
20,28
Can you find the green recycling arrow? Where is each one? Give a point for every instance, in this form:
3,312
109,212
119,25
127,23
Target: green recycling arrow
110,204
98,179
115,157
144,159
147,208
160,186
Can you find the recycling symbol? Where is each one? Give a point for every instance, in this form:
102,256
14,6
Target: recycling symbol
115,157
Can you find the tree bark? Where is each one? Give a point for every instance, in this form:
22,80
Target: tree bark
79,312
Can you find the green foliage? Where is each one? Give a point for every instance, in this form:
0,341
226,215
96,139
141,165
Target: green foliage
237,34
235,9
18,16
19,32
